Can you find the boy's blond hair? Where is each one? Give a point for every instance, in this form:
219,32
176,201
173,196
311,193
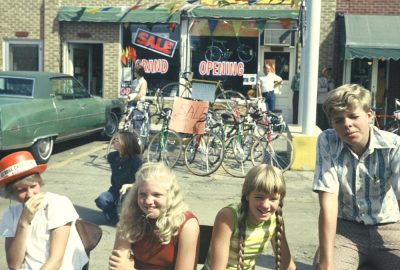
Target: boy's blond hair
346,97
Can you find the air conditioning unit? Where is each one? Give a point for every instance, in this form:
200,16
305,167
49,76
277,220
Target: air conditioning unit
278,37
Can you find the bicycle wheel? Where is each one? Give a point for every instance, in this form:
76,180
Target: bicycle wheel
110,146
237,161
145,134
166,146
279,152
213,53
229,101
172,90
245,53
204,154
393,126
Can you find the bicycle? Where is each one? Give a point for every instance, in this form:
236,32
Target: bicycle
166,145
279,150
219,52
393,125
135,115
225,100
238,158
174,89
204,153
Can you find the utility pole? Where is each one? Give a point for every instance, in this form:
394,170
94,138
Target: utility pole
309,67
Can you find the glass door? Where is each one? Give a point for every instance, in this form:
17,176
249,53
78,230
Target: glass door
81,60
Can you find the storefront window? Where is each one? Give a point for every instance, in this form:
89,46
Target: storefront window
361,70
157,48
226,53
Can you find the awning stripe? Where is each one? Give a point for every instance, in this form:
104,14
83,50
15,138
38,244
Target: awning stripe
163,15
372,36
241,13
117,15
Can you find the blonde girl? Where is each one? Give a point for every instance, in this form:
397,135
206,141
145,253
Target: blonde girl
155,226
241,231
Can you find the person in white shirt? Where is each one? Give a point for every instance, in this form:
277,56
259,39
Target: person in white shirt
266,86
39,230
139,85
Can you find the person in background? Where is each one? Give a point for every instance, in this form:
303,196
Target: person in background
39,230
156,229
295,86
139,85
266,86
357,179
325,84
124,163
242,230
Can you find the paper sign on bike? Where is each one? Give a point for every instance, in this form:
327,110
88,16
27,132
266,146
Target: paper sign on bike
188,116
155,43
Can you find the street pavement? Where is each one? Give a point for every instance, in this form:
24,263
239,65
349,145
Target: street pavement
81,172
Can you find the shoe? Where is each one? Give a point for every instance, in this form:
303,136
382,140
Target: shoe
110,219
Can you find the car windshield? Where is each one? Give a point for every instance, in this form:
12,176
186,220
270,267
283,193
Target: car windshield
16,86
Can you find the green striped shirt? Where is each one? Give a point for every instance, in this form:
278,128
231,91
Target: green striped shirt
256,241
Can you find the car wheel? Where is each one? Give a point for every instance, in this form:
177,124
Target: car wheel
42,150
111,125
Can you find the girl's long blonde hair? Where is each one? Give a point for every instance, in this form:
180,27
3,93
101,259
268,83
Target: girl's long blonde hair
267,179
133,223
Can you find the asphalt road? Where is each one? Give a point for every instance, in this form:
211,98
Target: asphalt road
79,170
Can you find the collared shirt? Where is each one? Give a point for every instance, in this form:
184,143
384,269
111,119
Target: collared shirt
267,82
368,187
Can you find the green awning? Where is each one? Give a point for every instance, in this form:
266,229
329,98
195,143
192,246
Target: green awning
117,15
252,14
372,36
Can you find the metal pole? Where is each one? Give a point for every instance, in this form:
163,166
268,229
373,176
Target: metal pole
310,67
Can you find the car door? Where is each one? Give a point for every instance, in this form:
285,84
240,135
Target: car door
92,109
67,107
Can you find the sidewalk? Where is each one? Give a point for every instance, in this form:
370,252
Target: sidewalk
83,178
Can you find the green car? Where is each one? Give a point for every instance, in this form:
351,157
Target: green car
40,108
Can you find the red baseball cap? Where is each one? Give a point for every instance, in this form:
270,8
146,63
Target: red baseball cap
17,165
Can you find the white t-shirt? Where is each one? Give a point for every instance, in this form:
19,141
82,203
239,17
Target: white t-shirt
136,84
57,211
268,81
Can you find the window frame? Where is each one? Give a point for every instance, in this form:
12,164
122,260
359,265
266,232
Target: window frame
9,43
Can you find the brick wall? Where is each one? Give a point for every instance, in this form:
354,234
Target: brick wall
20,16
327,45
377,7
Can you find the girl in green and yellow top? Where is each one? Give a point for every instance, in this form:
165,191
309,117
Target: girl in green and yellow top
241,232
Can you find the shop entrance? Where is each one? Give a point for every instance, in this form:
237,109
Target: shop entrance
283,61
378,76
85,62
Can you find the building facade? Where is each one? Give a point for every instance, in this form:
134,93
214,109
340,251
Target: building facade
92,40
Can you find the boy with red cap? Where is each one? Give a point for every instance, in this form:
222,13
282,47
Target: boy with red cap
40,230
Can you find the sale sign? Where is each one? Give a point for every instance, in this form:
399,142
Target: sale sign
155,43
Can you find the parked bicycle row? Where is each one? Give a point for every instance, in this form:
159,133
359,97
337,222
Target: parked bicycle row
236,137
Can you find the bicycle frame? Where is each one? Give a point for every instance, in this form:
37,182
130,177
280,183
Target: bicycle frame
394,117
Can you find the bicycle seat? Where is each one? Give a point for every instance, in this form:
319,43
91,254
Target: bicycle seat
149,101
255,115
187,75
166,111
225,116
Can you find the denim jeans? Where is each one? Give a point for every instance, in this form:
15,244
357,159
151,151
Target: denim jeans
107,202
269,100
